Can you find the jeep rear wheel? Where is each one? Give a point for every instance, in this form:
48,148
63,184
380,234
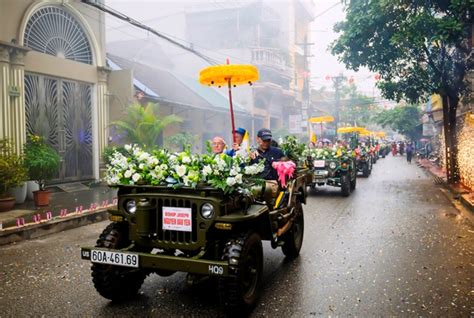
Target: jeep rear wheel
353,181
116,283
293,239
365,170
239,294
345,185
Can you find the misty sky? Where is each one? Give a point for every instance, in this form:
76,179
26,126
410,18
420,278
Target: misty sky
168,17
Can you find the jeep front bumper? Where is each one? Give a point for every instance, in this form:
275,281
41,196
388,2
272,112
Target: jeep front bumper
163,262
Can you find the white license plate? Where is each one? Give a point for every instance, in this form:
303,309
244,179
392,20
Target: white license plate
319,163
114,258
321,172
177,219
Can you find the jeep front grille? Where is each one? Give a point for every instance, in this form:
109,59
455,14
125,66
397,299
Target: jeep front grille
178,237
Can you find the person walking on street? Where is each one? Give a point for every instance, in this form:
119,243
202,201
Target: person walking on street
409,152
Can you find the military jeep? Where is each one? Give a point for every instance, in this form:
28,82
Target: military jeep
338,172
364,163
201,231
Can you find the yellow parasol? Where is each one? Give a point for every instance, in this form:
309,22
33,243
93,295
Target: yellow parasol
322,119
381,134
229,74
347,130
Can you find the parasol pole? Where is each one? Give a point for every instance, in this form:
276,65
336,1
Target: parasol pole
231,107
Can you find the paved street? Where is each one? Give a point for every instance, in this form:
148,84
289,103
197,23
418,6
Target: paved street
396,246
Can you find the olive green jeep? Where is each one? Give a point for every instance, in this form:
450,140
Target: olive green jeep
201,231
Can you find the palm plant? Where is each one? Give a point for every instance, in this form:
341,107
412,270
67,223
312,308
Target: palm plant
143,124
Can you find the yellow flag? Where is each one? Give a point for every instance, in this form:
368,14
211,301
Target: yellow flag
313,138
245,142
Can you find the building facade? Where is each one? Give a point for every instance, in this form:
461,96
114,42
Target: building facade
53,80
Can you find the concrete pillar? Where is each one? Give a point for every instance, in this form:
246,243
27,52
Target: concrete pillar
17,103
102,110
4,92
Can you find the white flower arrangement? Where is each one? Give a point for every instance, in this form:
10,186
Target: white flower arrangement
181,169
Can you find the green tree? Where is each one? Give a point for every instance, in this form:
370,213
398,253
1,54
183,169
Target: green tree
403,119
419,47
180,141
356,109
143,125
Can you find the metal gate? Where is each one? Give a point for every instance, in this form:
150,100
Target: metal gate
60,111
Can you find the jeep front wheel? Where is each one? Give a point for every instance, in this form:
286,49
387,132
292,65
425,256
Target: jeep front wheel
345,185
365,170
116,283
293,239
239,294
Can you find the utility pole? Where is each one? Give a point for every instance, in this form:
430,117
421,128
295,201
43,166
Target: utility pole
337,81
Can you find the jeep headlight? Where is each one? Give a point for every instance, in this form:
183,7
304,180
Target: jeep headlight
332,165
207,210
131,206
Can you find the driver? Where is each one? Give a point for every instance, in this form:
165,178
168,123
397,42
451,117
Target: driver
267,152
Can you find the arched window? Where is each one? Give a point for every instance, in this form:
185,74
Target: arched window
54,31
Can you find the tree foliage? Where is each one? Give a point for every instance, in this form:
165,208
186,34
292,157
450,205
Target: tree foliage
419,47
143,125
357,109
403,119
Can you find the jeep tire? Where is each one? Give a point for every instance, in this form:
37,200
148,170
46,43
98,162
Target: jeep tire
345,185
353,181
116,283
365,170
239,294
293,239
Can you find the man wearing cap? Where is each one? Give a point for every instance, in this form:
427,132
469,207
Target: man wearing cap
237,146
267,152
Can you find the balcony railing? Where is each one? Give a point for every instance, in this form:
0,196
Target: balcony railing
269,57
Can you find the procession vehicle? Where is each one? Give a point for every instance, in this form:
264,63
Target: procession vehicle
201,230
335,169
363,158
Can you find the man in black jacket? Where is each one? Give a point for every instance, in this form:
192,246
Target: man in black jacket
267,152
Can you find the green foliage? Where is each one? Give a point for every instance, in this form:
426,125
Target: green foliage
292,148
180,141
357,110
12,170
143,125
41,160
418,47
110,150
404,119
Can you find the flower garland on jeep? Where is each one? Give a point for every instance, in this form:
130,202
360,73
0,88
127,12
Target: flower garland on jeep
328,153
292,148
181,169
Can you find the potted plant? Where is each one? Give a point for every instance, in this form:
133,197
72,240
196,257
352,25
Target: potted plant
42,163
12,174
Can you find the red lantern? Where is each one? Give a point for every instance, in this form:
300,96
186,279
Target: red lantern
377,77
328,78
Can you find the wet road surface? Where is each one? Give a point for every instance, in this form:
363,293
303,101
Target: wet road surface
396,246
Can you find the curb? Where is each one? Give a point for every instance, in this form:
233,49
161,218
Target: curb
11,235
463,198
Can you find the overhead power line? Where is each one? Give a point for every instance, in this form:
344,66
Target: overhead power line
140,25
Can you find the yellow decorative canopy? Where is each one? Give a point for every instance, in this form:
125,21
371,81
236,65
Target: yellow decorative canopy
381,134
322,119
346,130
219,75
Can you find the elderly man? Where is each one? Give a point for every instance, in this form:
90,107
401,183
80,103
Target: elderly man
267,152
218,145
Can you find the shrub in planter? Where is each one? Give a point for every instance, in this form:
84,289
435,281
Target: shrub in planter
42,162
12,173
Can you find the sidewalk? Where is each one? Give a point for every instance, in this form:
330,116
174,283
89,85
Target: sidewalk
67,210
459,191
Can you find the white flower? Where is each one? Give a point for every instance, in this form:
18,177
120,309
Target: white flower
207,170
180,170
163,167
230,181
129,173
186,159
152,161
186,180
144,156
238,178
136,177
141,166
128,147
